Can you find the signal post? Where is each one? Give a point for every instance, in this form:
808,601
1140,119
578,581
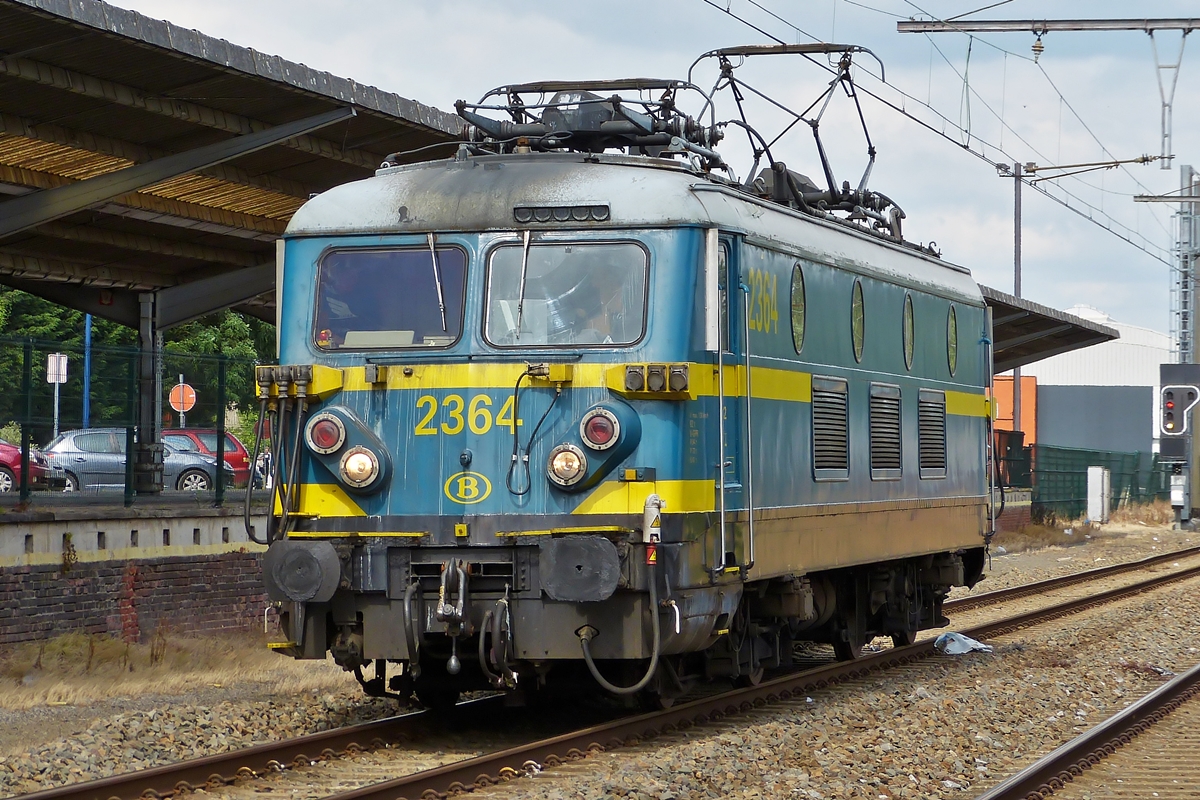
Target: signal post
1179,394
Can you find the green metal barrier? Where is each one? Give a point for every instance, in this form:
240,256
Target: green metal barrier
1059,479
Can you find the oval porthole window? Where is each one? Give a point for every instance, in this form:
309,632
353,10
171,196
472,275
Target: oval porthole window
857,320
908,331
798,308
952,340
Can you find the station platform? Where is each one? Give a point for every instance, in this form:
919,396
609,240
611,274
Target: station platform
97,526
87,564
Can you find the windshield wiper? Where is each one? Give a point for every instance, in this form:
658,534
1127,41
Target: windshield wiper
437,279
521,290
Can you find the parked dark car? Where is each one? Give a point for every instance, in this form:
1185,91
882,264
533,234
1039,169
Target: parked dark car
41,475
204,440
95,459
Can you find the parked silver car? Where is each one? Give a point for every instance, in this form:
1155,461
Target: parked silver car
95,459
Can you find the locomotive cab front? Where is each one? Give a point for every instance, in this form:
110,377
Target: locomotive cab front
464,475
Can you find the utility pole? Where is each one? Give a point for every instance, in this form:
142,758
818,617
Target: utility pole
1018,173
1017,284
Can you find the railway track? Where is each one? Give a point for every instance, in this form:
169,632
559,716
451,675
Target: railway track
225,768
1162,725
1062,582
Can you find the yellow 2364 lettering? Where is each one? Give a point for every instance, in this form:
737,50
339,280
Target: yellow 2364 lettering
457,414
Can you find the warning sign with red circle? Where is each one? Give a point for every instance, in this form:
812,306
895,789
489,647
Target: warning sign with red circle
183,397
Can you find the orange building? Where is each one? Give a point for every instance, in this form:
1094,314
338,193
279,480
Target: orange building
1003,387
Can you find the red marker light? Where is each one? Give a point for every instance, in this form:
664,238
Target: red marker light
325,434
1170,404
599,430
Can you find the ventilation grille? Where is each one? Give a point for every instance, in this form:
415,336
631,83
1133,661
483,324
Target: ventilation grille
831,438
931,433
885,431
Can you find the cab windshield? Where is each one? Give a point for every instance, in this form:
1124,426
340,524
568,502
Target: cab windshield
389,298
579,293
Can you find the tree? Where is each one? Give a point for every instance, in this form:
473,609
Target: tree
194,347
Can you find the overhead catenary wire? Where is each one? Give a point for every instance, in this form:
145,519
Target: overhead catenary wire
1114,226
1061,97
1145,244
976,11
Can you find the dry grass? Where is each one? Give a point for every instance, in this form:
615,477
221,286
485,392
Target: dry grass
78,668
1158,512
1059,533
1035,537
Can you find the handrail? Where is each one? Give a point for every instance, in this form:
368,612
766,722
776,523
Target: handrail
749,464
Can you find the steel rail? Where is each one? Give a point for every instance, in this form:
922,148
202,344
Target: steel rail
504,765
1038,587
225,768
1059,767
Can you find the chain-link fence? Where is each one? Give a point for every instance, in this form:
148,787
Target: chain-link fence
69,416
1059,479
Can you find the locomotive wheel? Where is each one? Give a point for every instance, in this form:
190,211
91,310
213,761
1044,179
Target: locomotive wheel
437,698
848,650
651,700
903,638
752,678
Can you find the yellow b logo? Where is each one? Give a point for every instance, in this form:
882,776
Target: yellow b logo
467,487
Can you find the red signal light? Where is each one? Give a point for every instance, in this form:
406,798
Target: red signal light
325,434
599,430
1170,404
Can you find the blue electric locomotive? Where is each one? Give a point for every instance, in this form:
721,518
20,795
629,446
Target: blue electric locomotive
543,406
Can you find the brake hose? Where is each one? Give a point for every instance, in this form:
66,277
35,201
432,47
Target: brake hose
293,473
411,640
587,634
258,438
278,486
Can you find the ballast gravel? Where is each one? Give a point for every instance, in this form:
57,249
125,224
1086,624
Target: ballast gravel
948,727
174,732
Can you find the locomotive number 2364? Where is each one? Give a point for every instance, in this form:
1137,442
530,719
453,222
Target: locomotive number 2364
764,301
457,413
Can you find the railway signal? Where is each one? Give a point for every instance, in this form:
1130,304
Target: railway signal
1177,401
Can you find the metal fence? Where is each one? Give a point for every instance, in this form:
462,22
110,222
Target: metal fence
51,393
1059,479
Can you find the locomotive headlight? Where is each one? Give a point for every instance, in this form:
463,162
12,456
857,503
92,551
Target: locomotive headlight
567,465
325,433
359,467
599,429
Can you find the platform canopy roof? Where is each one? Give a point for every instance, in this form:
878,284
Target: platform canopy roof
1025,332
137,156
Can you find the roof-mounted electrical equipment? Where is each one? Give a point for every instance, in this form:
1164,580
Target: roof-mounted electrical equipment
643,117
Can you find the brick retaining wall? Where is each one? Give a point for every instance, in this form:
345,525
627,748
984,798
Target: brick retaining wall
130,599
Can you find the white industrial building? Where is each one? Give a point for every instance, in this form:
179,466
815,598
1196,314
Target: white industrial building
1102,397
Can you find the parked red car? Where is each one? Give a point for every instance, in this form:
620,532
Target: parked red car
204,440
40,474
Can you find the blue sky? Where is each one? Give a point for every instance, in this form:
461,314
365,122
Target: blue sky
1090,97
